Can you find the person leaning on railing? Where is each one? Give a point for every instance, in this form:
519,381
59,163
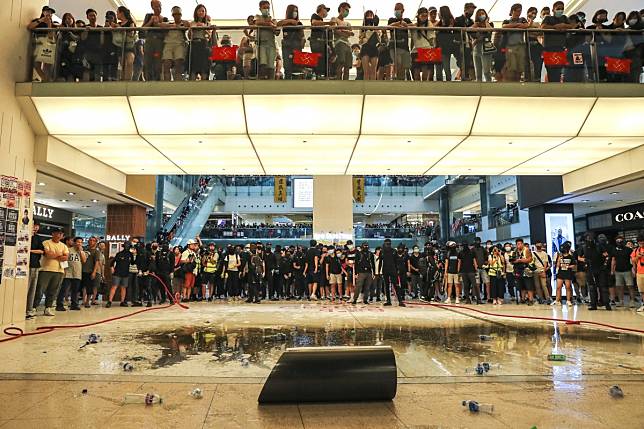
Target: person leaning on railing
44,55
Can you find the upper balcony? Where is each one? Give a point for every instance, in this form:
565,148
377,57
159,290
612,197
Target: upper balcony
204,116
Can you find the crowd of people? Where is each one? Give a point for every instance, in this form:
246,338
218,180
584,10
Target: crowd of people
168,232
596,272
175,48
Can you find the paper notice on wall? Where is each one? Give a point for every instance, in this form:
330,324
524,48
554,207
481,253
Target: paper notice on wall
11,227
9,189
9,263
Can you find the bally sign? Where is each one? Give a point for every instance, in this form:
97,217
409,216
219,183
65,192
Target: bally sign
117,237
43,212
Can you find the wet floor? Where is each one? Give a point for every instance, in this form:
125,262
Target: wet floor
433,351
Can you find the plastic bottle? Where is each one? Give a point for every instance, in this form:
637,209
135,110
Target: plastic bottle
127,366
616,392
475,407
196,393
142,398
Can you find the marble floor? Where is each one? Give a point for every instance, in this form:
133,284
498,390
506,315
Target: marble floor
229,349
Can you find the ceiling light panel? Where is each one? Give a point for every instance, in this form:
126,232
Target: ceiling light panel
576,153
418,115
303,114
129,154
209,154
282,154
398,154
85,115
526,116
492,155
619,117
186,114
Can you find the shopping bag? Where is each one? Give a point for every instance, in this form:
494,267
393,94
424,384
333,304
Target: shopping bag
224,53
429,55
306,59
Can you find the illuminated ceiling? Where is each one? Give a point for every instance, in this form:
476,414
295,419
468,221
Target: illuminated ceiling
350,132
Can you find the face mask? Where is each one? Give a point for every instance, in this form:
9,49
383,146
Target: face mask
330,252
350,247
294,14
508,248
338,254
619,242
398,14
345,13
132,250
341,256
488,245
539,248
416,251
632,22
482,18
264,12
559,13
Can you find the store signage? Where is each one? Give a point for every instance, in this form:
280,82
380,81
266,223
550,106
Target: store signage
117,237
44,212
629,216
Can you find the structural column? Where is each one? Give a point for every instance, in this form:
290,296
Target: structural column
124,222
332,208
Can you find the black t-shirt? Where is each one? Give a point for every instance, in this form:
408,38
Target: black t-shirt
401,262
298,261
335,265
364,262
121,263
467,262
286,265
388,258
317,33
36,244
606,258
414,261
452,262
400,35
554,40
293,34
566,262
623,259
311,254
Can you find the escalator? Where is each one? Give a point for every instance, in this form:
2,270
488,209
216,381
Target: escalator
194,222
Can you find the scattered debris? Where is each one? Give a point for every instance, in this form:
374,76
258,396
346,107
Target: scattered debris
84,391
616,392
196,393
142,398
127,366
557,357
475,407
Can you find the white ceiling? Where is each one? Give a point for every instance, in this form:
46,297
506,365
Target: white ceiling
607,198
52,191
237,11
345,134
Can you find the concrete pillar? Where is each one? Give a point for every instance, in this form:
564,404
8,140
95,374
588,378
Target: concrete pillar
16,140
124,220
332,208
443,214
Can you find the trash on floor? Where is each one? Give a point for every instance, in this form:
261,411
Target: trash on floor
196,393
557,357
127,366
142,398
84,391
475,407
616,392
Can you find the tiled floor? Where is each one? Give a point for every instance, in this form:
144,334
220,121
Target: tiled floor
41,377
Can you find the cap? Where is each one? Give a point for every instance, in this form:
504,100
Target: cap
47,8
191,241
175,10
61,230
469,5
432,9
322,6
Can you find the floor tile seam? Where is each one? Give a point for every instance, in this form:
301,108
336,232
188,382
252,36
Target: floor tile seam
299,411
203,425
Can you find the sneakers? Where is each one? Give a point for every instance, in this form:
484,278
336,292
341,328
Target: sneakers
75,308
60,308
402,304
49,312
569,303
553,303
641,309
447,301
458,301
108,304
124,304
388,304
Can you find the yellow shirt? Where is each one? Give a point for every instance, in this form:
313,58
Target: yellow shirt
53,265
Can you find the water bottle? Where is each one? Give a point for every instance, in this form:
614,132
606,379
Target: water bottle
142,398
616,392
483,337
196,393
91,339
127,366
475,407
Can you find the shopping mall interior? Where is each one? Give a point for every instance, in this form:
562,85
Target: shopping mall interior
320,230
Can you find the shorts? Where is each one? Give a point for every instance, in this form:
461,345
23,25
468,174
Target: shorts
483,275
453,279
189,280
174,51
515,58
266,56
120,281
312,277
580,276
564,275
623,278
209,278
344,56
401,57
335,279
640,282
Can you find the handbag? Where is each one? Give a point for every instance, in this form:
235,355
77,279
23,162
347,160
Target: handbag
224,53
555,58
45,51
488,47
618,65
306,59
429,55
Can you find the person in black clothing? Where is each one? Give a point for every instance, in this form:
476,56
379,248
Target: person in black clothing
299,279
468,268
603,280
312,269
593,259
334,273
164,261
321,39
389,273
364,268
622,269
285,275
256,270
555,41
413,268
402,265
447,40
464,59
452,277
292,40
270,263
36,252
399,42
120,266
110,51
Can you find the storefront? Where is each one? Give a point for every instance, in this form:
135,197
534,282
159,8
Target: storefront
51,218
627,221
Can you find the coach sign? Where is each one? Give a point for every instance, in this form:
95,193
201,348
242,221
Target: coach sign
629,216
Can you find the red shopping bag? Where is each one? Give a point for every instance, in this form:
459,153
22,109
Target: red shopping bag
224,53
618,65
429,55
306,59
554,59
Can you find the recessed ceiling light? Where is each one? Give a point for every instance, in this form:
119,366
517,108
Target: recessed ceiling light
408,141
614,193
41,183
86,207
94,201
71,194
143,169
610,143
103,211
63,201
200,142
620,201
304,141
99,142
509,142
585,201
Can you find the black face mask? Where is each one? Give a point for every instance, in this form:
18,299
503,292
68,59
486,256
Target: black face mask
368,21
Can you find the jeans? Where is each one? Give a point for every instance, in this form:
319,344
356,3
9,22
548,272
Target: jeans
536,62
48,283
469,283
363,284
598,280
33,283
482,63
448,51
73,287
393,280
376,286
497,287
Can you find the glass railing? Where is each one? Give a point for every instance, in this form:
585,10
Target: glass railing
465,227
336,53
303,232
503,217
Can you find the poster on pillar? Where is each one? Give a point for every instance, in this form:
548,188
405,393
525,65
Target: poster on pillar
358,190
280,191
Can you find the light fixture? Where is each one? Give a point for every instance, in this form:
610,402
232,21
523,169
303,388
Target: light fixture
99,142
41,183
94,201
614,193
619,201
63,201
71,194
86,207
585,201
103,211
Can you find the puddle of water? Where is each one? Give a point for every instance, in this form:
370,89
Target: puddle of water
426,351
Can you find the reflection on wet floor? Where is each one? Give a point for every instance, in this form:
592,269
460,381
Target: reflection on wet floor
420,352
